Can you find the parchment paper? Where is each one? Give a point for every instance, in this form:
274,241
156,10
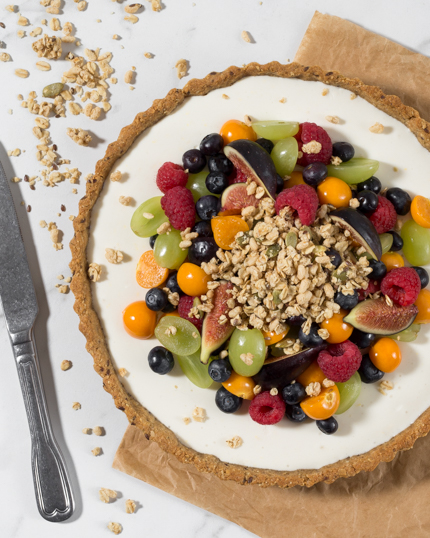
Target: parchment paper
394,500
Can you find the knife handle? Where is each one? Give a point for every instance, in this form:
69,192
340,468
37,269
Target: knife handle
50,477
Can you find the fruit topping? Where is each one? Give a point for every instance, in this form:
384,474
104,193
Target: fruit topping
372,184
171,175
279,184
408,335
335,258
240,385
271,337
314,174
148,217
178,204
361,339
340,361
152,240
167,250
203,228
172,283
324,405
247,351
296,178
196,372
216,182
360,228
211,144
208,207
220,370
386,242
416,243
397,243
197,185
385,355
148,273
379,270
295,413
226,401
392,260
354,171
236,130
275,130
344,150
346,302
235,198
194,161
156,299
160,360
293,393
225,230
312,374
265,144
400,200
301,198
339,331
420,211
328,426
312,338
139,321
178,335
372,287
308,135
186,303
192,279
267,409
202,249
423,305
368,202
220,163
215,334
368,371
375,316
424,276
385,216
349,392
402,285
335,192
284,156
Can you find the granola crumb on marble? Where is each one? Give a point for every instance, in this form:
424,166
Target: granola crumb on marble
98,430
96,451
246,36
87,431
66,365
76,406
106,495
116,528
181,68
130,506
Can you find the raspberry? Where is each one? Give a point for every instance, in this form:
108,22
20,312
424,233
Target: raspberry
340,361
402,285
267,409
307,133
237,176
178,204
171,175
185,305
303,199
385,217
373,287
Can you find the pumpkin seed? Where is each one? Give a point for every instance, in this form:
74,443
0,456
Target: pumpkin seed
52,90
273,251
291,239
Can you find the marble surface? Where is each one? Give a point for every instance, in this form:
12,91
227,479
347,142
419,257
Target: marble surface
207,34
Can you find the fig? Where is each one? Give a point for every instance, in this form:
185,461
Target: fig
361,229
235,198
376,317
277,372
254,162
214,334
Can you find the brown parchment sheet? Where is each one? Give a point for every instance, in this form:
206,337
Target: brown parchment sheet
393,500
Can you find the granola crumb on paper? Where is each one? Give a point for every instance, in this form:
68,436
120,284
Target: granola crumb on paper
78,135
66,365
22,73
234,442
246,36
106,495
48,47
156,5
130,506
181,68
76,406
129,77
116,528
96,451
199,414
377,128
131,18
98,430
87,431
148,55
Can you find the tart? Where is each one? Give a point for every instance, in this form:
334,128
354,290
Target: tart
282,455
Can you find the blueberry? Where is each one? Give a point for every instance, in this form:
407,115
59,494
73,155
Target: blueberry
295,413
268,145
203,228
400,200
216,182
208,206
344,150
202,249
397,242
220,370
169,308
294,393
328,426
312,339
220,163
279,184
160,360
372,184
194,161
211,144
314,174
334,256
347,302
296,321
172,283
424,276
152,240
368,371
361,339
379,270
368,202
226,401
156,299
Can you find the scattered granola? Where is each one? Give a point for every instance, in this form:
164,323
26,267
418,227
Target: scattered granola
376,128
96,451
123,372
63,289
181,68
257,389
113,256
130,506
87,431
22,73
199,414
225,96
234,442
106,495
186,420
4,57
129,77
324,92
81,137
131,18
98,430
283,100
125,200
66,365
385,385
246,36
76,406
116,176
112,526
22,21
333,119
48,47
156,5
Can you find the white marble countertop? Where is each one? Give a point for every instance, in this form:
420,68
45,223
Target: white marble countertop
208,35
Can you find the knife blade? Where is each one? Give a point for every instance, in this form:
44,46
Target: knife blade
51,481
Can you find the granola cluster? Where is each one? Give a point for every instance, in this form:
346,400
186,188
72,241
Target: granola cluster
48,47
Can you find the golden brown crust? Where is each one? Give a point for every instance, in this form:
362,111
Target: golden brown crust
90,324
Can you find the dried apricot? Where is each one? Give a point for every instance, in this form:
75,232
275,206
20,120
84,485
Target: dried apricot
148,273
226,228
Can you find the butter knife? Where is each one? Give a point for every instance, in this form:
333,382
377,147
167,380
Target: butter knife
54,495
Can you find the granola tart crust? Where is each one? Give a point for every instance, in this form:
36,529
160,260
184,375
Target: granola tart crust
90,325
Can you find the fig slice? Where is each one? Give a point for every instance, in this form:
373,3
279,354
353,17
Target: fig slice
376,317
254,162
235,198
361,229
213,333
277,372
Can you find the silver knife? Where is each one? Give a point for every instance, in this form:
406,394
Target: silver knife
54,495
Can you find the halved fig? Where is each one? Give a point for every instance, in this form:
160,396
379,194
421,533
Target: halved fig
376,317
277,372
254,162
361,229
235,198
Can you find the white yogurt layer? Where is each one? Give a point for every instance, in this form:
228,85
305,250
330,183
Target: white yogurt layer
374,418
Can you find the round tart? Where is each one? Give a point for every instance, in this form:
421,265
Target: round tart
286,454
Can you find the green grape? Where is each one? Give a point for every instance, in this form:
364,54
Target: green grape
354,171
144,227
416,243
182,342
167,252
349,392
284,155
275,130
196,372
386,242
250,341
196,184
408,335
